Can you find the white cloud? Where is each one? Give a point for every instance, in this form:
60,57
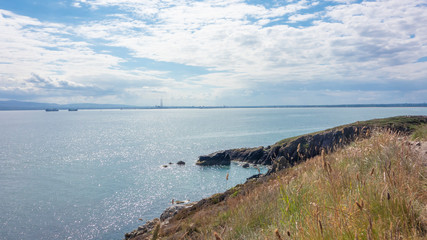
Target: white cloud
301,17
243,45
220,36
34,48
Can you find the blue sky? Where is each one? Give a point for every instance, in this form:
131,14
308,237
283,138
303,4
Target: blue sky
213,52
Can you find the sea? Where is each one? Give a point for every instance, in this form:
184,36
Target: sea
97,174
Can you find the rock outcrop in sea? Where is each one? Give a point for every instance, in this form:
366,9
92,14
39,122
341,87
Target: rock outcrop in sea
216,158
290,151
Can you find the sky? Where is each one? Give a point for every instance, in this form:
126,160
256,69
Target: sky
213,52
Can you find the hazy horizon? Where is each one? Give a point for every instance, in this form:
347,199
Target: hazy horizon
23,105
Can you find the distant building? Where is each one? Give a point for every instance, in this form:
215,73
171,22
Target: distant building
161,104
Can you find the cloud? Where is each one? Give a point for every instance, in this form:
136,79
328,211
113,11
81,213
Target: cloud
240,47
47,83
301,17
47,59
225,36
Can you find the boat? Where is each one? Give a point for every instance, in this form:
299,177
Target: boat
73,109
52,109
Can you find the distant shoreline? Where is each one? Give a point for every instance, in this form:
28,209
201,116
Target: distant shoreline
17,105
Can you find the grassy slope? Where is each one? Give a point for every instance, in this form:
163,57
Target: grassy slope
373,189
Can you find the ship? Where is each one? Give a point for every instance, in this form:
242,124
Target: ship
52,109
72,109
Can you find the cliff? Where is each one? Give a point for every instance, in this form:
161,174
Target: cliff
288,152
315,187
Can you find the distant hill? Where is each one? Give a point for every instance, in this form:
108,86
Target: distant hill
17,105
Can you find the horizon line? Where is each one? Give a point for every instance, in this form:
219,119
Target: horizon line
41,106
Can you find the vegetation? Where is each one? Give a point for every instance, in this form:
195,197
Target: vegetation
420,133
402,124
372,189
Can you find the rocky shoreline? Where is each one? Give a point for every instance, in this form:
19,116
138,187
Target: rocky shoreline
289,152
283,154
145,230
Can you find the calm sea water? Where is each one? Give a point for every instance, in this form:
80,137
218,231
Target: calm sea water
92,174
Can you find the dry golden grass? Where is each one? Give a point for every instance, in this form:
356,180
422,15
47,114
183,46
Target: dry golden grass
373,189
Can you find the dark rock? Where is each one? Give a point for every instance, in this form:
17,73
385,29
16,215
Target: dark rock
246,165
165,166
143,230
170,163
251,155
254,176
255,154
181,163
217,158
290,152
148,226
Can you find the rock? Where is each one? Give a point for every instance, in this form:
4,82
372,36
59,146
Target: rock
254,176
254,154
181,163
148,225
246,165
165,166
250,155
216,158
170,163
289,152
144,229
171,211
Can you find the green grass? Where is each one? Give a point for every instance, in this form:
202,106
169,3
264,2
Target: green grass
420,134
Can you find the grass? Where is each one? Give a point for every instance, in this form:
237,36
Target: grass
420,134
372,189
